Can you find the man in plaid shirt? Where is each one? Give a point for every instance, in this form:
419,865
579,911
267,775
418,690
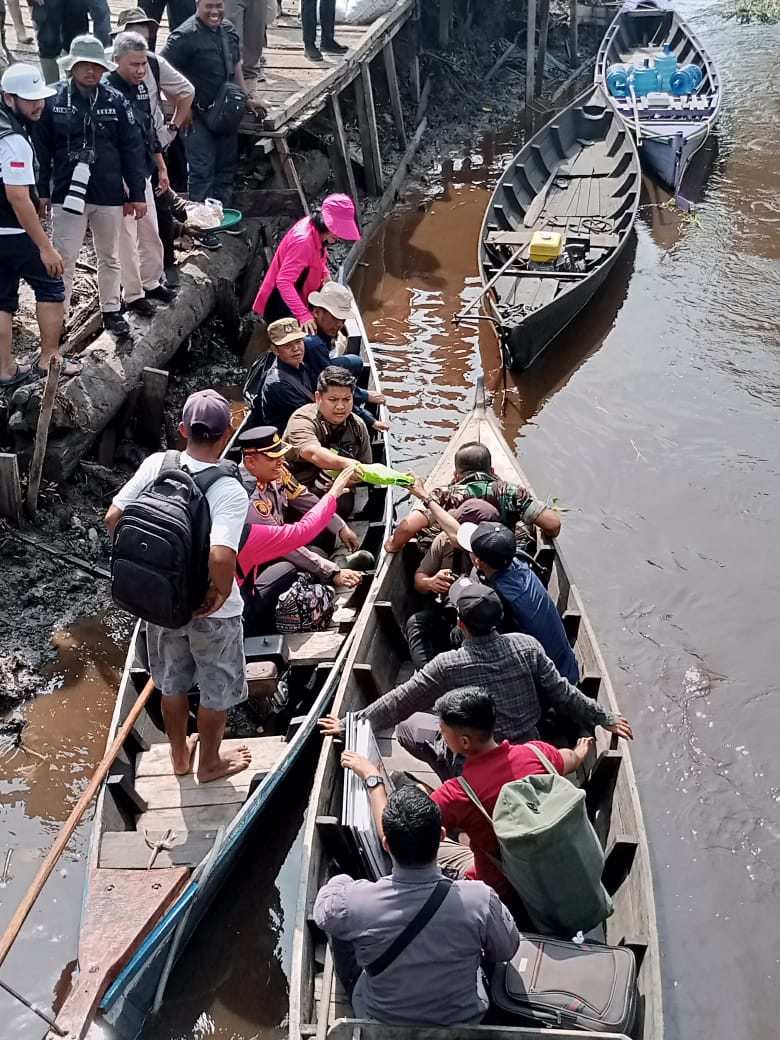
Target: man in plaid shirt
513,668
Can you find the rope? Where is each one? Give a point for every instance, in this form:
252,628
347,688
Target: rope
163,844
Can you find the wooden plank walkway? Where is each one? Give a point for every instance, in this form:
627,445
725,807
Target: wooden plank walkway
295,88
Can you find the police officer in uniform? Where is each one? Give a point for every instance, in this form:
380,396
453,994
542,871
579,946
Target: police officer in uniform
277,497
89,147
140,247
25,251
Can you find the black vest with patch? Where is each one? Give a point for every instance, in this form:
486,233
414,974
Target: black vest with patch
11,124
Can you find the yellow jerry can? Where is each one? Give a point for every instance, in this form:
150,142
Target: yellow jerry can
546,246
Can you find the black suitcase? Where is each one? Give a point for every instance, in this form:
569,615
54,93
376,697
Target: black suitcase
551,982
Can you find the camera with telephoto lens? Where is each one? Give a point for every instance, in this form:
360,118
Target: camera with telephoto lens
76,199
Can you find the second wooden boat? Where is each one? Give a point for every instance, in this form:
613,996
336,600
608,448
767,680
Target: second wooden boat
669,129
162,845
378,660
578,178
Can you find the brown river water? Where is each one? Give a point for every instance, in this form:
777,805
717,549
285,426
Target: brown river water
654,423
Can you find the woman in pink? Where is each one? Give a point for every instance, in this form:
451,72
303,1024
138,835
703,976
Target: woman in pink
264,543
300,264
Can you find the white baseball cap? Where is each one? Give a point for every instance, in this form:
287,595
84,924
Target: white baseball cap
25,81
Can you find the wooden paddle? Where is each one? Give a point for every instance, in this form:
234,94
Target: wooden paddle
635,107
515,254
67,829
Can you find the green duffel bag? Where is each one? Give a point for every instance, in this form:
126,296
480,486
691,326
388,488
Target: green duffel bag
550,853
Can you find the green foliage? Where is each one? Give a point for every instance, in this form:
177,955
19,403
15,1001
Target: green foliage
765,11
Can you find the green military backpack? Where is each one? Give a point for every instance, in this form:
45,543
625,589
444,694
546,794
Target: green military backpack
550,853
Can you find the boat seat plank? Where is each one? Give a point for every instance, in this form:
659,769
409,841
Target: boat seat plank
546,293
129,850
156,762
521,238
189,818
314,647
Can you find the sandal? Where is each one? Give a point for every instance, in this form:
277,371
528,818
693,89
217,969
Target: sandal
22,372
68,371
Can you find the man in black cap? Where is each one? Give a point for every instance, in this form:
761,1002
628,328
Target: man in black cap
512,667
278,497
492,548
428,630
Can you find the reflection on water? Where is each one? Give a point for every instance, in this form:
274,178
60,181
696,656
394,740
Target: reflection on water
63,741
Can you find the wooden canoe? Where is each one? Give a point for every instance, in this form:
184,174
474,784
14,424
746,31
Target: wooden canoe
141,907
376,661
578,176
670,134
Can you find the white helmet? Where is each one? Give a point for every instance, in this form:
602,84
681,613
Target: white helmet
25,81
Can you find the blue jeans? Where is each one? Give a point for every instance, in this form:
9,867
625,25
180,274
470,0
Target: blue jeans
101,20
212,164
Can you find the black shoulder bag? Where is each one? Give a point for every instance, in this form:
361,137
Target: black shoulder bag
412,930
223,116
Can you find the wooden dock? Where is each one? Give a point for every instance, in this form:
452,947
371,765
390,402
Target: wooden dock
296,89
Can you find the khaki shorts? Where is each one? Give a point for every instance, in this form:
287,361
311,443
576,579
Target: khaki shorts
207,651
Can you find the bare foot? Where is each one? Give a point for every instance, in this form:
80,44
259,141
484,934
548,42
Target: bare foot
228,763
184,765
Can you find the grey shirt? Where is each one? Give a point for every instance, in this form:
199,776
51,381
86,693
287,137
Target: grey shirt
436,980
513,667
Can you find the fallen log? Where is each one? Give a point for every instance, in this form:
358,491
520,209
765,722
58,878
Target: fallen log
86,403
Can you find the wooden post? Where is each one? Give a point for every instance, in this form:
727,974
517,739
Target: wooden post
573,33
445,20
544,25
395,94
343,149
289,171
414,64
151,407
530,52
42,434
369,136
10,488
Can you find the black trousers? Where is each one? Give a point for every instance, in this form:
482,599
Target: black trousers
178,11
270,582
428,634
56,23
309,21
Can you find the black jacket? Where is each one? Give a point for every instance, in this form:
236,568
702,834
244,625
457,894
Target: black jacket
10,123
103,121
137,97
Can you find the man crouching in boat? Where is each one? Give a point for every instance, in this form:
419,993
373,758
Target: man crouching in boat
327,435
474,478
435,980
276,493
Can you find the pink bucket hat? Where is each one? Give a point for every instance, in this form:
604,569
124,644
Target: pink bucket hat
338,213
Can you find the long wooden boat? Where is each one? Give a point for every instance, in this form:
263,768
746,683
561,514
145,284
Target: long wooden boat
377,661
669,130
579,176
163,845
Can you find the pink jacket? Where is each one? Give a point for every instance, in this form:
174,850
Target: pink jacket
301,248
270,543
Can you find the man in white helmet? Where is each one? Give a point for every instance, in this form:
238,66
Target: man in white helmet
25,250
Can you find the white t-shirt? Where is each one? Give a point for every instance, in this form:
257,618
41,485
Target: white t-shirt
228,502
16,167
173,86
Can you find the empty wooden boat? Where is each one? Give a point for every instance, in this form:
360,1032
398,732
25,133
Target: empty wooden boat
162,845
670,125
378,660
559,218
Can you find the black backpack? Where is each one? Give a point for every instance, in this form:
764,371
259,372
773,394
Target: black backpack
160,558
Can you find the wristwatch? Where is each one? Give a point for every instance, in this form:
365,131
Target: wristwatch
373,781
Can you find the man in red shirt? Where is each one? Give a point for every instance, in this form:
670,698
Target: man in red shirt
467,717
